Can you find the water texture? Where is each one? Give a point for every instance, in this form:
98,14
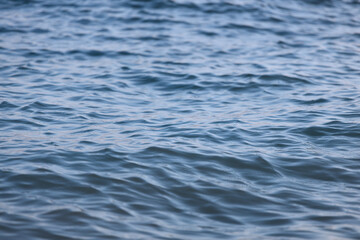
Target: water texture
179,119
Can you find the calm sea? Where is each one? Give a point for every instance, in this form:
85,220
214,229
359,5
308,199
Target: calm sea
180,119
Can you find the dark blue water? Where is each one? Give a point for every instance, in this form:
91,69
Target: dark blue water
179,119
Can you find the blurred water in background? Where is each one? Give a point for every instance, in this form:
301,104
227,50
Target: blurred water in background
179,119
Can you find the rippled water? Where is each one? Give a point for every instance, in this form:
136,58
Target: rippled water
180,119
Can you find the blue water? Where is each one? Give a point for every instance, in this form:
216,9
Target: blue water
179,119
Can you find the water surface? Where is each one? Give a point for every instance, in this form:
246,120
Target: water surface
179,119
